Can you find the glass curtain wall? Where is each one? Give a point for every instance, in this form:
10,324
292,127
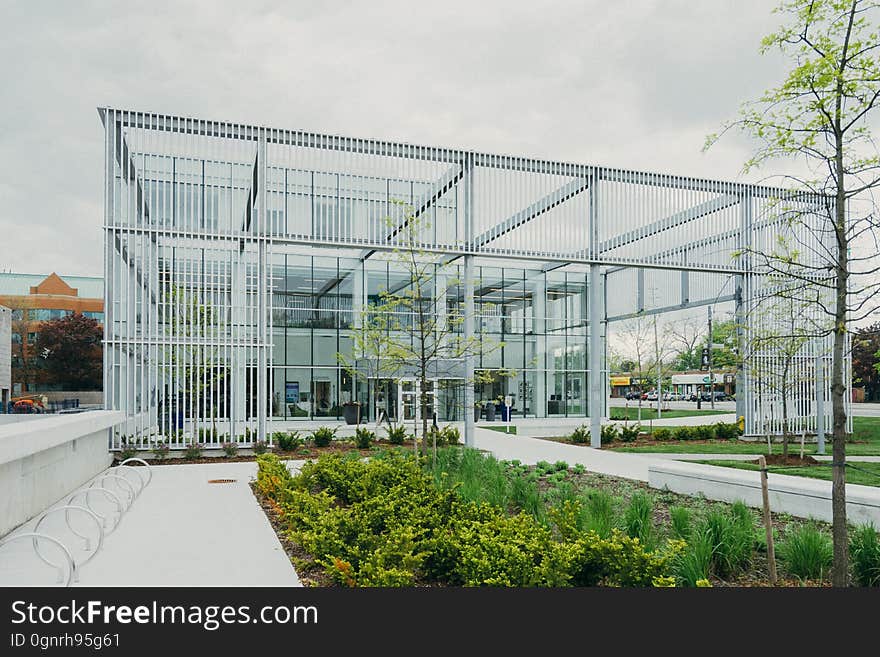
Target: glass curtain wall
532,324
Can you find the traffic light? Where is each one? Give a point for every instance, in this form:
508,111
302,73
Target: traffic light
704,359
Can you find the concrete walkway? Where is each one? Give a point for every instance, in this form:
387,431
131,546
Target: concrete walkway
181,531
800,496
531,450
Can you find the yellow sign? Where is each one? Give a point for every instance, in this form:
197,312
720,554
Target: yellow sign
620,380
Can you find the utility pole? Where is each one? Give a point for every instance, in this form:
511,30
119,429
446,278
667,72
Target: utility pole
711,378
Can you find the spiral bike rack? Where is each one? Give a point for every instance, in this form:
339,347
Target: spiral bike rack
120,509
141,484
145,464
101,478
67,509
71,566
127,490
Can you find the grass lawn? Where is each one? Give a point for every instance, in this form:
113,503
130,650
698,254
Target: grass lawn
867,474
632,413
866,442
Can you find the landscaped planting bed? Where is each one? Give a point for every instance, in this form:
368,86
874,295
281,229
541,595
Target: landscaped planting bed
291,445
473,520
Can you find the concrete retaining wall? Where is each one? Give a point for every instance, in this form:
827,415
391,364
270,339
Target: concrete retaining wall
798,496
43,460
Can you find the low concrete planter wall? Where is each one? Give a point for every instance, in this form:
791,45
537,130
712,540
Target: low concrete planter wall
799,496
44,460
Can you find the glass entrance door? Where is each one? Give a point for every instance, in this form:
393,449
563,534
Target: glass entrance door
408,393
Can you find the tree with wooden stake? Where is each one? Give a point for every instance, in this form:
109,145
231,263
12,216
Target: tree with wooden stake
821,113
777,341
768,521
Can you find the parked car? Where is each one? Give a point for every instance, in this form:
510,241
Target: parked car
634,395
652,395
672,396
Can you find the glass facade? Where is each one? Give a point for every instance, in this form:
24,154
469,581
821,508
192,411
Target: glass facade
532,325
238,260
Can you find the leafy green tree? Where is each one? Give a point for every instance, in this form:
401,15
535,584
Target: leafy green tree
821,114
866,360
70,349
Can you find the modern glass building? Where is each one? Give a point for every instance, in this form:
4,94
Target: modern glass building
240,262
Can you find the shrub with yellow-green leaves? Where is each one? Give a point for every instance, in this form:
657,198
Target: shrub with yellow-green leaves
384,522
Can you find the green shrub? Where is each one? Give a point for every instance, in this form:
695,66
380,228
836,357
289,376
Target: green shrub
806,552
683,433
384,522
128,450
323,436
397,434
693,564
609,433
638,518
207,435
192,451
363,438
703,432
260,447
288,441
578,468
726,430
662,434
451,435
864,550
230,449
160,449
628,433
680,522
581,435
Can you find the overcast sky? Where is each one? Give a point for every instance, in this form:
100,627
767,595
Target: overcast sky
636,84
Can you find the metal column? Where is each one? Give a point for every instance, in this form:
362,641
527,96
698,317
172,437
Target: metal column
469,424
597,382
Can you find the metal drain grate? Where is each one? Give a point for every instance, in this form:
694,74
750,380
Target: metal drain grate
221,481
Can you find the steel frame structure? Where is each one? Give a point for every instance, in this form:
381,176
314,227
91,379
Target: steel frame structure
195,210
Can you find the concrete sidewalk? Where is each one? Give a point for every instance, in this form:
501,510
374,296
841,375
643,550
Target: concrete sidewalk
531,450
800,496
183,531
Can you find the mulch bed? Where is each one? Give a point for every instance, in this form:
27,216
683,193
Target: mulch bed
791,459
309,573
300,454
643,440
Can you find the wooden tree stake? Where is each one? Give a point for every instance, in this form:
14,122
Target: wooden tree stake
768,522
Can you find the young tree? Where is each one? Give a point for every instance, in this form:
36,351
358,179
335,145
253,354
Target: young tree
821,113
636,338
194,362
410,331
775,343
70,348
687,335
